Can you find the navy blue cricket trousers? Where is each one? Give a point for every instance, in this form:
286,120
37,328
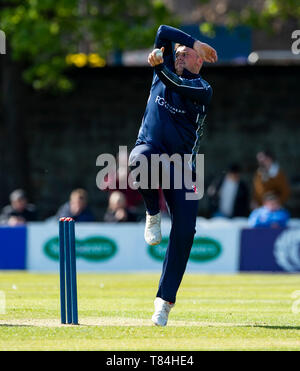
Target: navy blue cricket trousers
183,215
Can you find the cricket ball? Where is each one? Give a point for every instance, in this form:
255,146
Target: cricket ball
159,53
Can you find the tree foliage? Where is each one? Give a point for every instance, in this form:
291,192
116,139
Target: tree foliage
269,16
42,33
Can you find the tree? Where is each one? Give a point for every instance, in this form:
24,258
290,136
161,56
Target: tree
267,14
40,34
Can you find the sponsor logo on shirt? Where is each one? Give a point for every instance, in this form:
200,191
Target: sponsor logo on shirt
162,102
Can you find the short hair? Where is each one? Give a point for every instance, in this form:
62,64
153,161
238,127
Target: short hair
18,194
118,196
177,45
82,193
268,153
234,168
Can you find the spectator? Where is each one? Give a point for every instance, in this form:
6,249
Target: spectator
122,176
271,214
134,200
19,211
117,209
77,207
269,178
229,195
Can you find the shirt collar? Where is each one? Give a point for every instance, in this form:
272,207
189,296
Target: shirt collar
186,74
189,75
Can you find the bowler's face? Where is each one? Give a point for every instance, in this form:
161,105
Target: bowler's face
187,58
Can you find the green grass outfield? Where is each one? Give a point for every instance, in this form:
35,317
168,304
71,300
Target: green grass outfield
213,312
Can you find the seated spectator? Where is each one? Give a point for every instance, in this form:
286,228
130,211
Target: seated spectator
271,214
122,176
19,211
269,177
229,195
117,210
77,207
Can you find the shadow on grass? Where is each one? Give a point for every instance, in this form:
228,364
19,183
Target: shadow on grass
275,327
108,323
13,325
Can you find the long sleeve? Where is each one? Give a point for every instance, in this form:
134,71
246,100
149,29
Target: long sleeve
167,34
194,89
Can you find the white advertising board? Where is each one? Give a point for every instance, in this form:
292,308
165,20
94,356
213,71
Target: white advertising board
105,247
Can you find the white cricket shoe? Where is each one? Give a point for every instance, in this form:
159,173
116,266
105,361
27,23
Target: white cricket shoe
152,229
162,310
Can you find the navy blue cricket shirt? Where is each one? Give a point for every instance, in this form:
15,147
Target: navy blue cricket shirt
177,105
